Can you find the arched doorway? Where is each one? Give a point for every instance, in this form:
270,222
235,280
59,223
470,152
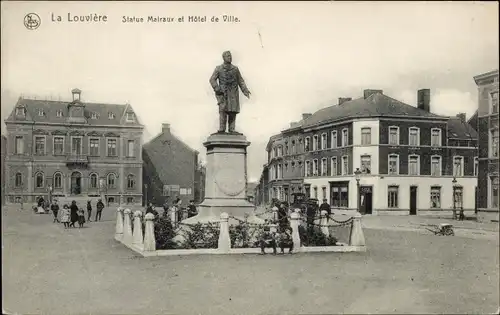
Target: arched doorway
76,183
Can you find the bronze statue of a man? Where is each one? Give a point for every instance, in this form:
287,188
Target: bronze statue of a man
227,91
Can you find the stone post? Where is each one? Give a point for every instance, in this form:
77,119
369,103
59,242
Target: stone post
137,232
119,224
224,240
324,223
356,237
275,213
127,227
149,235
173,215
273,228
294,224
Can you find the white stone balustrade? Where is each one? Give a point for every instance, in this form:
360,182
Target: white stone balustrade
127,227
224,244
119,224
324,223
137,238
294,224
357,238
149,235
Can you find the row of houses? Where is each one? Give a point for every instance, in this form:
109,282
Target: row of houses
78,150
385,156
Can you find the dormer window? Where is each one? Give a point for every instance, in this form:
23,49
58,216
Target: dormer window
93,116
59,113
20,111
40,112
130,116
111,116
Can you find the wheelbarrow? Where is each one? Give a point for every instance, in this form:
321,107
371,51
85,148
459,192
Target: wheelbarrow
442,229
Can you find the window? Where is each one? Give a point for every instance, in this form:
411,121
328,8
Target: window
458,166
111,116
324,141
280,171
315,189
366,164
130,200
93,115
324,167
345,137
58,145
494,102
340,196
394,135
393,164
414,165
334,139
130,116
435,166
280,150
435,137
315,167
58,181
286,148
494,192
333,168
40,145
494,152
19,145
41,112
435,197
476,166
130,148
307,144
111,180
294,149
315,142
459,194
76,145
345,166
39,180
94,147
19,111
59,113
323,192
130,181
93,181
414,134
392,196
366,136
112,147
307,169
19,180
286,168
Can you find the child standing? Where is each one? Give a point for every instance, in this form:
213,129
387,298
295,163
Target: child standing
81,217
65,216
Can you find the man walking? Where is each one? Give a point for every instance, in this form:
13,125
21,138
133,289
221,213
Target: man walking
89,210
99,207
55,210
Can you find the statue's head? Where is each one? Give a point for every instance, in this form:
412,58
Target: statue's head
226,56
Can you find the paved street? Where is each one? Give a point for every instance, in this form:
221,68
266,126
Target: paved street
50,270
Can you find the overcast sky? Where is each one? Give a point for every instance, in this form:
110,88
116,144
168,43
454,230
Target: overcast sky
307,55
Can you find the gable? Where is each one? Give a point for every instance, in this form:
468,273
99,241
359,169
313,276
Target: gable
59,133
77,133
40,132
111,134
94,134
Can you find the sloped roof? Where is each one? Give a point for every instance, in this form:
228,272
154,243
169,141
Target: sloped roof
375,105
50,109
459,129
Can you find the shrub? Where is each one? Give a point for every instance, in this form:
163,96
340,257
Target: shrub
313,236
164,234
201,236
242,235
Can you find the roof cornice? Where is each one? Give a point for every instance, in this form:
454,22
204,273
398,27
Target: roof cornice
17,122
485,76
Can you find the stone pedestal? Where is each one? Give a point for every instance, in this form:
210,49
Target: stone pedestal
226,180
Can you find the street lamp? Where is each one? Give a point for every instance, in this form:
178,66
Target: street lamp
357,175
146,197
454,182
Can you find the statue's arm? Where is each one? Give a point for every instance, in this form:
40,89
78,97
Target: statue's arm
213,80
241,83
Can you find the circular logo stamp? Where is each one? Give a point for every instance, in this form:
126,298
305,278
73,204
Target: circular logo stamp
32,21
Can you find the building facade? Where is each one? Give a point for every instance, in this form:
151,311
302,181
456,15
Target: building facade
407,157
487,127
73,150
170,170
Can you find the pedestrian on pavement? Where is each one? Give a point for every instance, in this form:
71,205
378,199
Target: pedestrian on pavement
192,209
74,213
65,217
89,210
55,210
325,206
99,207
267,239
81,217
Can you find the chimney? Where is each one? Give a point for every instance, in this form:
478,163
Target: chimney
368,93
424,99
165,128
306,115
342,100
462,116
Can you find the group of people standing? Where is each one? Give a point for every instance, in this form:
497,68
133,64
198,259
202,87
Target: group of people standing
72,214
175,211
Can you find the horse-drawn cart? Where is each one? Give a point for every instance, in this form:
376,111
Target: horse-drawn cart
442,229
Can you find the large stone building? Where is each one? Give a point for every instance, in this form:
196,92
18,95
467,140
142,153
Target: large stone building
74,150
2,174
171,169
487,127
408,157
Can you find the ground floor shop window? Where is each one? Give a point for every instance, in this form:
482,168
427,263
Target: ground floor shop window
494,192
130,199
392,195
435,197
339,195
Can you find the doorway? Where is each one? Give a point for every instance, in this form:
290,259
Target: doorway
366,195
413,200
76,183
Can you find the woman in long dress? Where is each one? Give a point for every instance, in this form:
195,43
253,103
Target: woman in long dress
65,216
74,213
